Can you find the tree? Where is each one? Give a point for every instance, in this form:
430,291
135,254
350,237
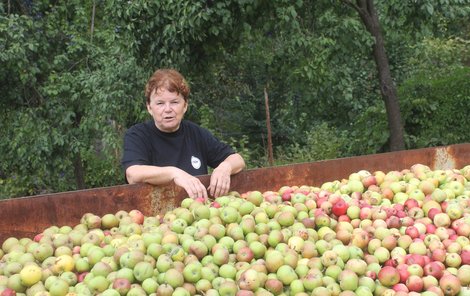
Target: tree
368,15
67,98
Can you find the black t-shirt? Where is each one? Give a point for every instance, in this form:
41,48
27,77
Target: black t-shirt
191,148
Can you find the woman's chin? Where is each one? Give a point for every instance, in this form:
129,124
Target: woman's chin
168,128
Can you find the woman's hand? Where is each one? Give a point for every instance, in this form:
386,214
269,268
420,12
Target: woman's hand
220,180
191,184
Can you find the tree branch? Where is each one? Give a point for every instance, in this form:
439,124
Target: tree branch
351,4
369,7
92,21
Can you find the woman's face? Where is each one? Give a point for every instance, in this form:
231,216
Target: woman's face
167,109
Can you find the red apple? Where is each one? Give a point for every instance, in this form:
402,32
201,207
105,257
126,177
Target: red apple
245,254
369,181
136,216
415,259
465,256
403,272
430,228
434,269
410,203
339,208
439,255
8,292
412,231
38,237
415,283
400,287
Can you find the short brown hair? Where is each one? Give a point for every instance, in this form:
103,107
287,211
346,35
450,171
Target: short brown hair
169,79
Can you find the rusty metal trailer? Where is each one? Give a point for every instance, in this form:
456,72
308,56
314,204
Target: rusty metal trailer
27,216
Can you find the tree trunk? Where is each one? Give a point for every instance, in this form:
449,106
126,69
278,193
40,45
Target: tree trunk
79,172
268,126
368,14
92,29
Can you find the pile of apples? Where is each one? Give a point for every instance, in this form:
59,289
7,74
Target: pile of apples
381,233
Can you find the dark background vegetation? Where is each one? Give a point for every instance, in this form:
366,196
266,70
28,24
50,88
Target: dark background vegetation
72,76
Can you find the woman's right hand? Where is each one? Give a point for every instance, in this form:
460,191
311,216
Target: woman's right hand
191,184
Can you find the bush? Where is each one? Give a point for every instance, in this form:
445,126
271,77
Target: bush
436,111
322,142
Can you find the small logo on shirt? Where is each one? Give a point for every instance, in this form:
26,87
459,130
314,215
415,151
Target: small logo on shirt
195,162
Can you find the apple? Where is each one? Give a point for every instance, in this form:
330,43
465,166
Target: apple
415,283
453,260
433,269
228,271
450,284
229,215
228,288
165,290
143,270
274,260
462,274
353,211
274,286
201,212
339,208
30,275
221,256
174,278
286,274
355,186
388,276
192,272
400,287
109,221
286,218
465,256
348,280
43,251
122,285
249,280
199,249
245,254
58,287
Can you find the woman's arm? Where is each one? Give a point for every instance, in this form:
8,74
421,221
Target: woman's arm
163,175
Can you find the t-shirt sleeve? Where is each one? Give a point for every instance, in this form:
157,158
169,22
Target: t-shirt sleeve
217,151
135,149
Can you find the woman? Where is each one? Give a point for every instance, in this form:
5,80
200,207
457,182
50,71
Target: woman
168,148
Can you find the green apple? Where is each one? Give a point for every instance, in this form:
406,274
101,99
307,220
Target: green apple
192,272
174,278
142,271
286,274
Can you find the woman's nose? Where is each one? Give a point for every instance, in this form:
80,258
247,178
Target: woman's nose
167,107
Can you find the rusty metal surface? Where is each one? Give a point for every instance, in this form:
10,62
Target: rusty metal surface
316,173
24,217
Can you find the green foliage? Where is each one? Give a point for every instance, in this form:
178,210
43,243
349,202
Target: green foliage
433,57
250,155
65,128
70,92
368,133
320,143
436,110
435,99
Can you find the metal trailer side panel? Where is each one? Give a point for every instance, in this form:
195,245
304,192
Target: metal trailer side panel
27,216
